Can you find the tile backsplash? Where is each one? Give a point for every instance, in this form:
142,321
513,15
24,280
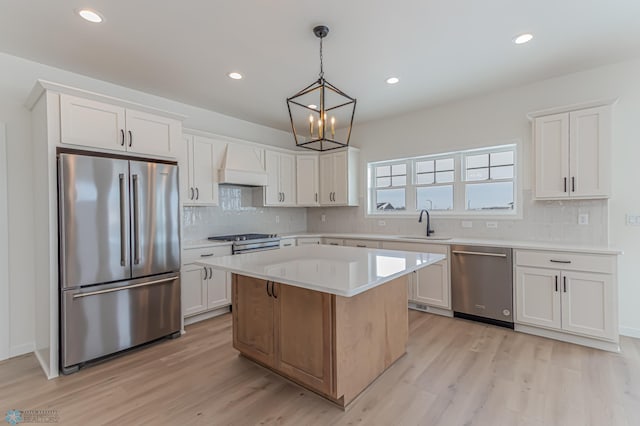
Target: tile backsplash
551,221
238,212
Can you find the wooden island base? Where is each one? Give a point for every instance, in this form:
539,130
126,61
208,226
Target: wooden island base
332,345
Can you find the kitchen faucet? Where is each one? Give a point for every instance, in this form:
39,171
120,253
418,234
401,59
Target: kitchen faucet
429,230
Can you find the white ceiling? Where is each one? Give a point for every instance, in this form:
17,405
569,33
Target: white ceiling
441,50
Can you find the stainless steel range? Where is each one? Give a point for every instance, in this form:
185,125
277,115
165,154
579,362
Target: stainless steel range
247,243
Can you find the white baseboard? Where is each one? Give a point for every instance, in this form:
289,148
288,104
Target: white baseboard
18,350
206,315
630,332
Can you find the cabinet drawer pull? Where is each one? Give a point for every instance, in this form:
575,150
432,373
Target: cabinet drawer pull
206,255
559,261
287,245
361,245
334,244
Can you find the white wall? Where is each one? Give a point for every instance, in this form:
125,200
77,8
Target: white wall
501,116
17,77
4,252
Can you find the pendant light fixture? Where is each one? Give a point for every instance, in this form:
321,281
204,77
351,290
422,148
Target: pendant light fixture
321,114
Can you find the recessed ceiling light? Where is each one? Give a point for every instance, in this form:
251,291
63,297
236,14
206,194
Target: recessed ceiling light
392,80
90,15
312,106
523,38
235,75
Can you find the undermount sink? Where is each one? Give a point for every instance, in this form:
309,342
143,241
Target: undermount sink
424,237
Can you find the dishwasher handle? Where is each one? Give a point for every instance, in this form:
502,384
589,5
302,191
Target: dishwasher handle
478,253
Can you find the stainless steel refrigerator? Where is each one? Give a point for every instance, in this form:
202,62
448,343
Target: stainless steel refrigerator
119,255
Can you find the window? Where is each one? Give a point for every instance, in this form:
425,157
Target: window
390,187
481,181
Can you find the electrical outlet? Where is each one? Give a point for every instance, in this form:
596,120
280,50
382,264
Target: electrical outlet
633,219
492,225
583,219
382,223
277,219
466,224
323,218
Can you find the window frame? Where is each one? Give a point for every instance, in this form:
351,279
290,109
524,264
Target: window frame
459,185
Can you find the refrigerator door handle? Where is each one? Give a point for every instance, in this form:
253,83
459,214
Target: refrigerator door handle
136,225
123,233
111,290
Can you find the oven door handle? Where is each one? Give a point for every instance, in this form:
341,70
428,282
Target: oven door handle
128,287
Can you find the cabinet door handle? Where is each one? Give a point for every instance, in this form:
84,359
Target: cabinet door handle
210,273
284,197
559,261
573,184
316,197
564,283
197,193
205,272
268,293
565,185
191,193
122,134
130,139
273,290
556,283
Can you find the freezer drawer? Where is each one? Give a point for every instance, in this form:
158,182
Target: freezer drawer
101,320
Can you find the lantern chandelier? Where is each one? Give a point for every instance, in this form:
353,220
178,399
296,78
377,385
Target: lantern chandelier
321,114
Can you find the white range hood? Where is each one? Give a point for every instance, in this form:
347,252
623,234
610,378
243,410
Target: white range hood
242,165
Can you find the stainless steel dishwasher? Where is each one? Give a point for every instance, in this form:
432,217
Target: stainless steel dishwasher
482,284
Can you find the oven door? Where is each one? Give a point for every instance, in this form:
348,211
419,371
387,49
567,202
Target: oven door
104,319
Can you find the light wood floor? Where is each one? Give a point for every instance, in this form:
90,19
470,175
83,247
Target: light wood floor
455,373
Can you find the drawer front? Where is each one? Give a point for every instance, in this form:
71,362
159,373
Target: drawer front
567,261
306,241
362,243
288,242
423,248
333,241
194,255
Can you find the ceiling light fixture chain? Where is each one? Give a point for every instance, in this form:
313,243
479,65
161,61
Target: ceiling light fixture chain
321,114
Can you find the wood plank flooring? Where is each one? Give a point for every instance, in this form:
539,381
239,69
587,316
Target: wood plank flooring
455,373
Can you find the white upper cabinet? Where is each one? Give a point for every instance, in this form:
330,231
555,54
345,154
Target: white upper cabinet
281,176
95,124
308,183
339,178
198,166
573,154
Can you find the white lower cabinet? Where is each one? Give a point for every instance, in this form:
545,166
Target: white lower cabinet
204,288
573,293
431,285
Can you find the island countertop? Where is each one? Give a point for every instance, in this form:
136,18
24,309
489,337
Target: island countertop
342,271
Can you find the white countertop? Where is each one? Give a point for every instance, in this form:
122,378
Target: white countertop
523,245
343,271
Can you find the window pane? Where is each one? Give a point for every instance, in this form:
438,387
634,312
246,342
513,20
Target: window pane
489,196
399,180
502,158
444,177
435,197
382,182
444,164
424,166
481,160
390,199
424,179
477,174
383,171
503,172
399,169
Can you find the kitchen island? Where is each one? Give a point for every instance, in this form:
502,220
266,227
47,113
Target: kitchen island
331,319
